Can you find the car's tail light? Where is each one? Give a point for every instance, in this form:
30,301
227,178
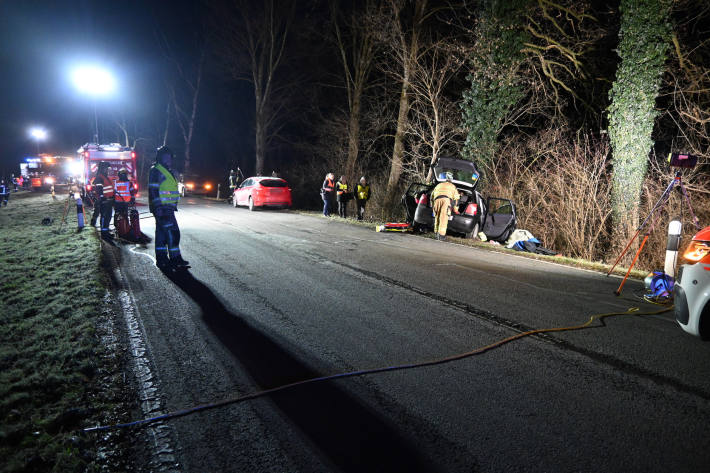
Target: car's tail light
471,209
423,199
88,187
698,252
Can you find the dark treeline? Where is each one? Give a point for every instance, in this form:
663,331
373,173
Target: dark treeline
569,108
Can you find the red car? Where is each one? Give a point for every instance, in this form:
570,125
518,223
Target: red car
263,191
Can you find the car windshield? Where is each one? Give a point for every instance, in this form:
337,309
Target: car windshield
273,183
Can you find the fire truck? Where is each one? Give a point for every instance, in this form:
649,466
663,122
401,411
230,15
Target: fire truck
91,154
44,171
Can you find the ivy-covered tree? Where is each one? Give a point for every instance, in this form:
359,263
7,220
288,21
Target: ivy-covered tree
645,36
495,83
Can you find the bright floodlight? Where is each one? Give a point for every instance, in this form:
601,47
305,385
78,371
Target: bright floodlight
93,80
38,133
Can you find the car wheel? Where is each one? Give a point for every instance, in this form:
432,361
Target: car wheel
251,204
473,234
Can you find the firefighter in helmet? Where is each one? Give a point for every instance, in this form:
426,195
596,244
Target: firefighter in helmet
163,198
103,187
445,197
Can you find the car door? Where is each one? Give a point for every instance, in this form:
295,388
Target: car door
243,192
410,199
500,220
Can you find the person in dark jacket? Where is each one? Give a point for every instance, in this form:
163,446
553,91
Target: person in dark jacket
327,193
343,195
103,187
4,193
163,198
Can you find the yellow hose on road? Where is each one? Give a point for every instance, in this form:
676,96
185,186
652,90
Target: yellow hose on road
438,361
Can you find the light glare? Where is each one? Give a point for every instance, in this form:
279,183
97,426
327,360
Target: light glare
93,81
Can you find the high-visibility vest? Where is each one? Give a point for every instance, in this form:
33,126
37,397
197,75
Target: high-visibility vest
363,192
342,188
106,186
328,187
123,191
168,191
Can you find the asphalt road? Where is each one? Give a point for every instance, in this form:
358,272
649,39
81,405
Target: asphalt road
275,297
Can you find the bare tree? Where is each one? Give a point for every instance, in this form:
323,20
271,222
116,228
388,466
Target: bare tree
253,40
356,45
401,34
186,110
434,118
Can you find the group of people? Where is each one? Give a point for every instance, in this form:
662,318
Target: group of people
119,194
341,193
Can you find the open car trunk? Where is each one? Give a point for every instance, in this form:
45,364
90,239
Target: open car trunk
494,216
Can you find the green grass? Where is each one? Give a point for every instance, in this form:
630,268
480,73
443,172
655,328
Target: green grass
559,259
51,297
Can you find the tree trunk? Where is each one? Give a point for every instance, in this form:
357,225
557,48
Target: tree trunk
353,134
409,57
260,140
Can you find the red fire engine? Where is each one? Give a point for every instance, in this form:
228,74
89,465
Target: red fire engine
117,157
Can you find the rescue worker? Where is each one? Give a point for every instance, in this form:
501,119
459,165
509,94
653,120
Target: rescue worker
341,188
445,198
103,187
125,196
362,195
4,193
163,198
233,182
327,193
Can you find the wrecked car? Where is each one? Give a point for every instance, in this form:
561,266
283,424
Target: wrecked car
494,216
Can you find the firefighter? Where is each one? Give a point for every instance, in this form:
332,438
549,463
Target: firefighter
327,193
163,198
103,187
445,197
362,195
343,196
125,196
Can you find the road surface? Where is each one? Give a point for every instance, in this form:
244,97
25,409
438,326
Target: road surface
275,297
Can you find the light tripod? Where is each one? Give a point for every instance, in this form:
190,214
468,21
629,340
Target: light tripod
677,181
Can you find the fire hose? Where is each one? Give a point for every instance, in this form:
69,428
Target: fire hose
351,374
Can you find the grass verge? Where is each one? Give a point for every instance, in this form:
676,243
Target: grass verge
563,260
52,360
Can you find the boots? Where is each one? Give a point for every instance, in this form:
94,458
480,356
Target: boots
178,262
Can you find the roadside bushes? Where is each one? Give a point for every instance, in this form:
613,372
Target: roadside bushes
562,186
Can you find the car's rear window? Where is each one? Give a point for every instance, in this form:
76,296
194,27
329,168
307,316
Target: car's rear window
273,183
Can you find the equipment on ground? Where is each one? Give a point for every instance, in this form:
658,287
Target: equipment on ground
394,227
652,220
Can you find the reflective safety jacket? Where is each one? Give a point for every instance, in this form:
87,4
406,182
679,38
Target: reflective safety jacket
328,185
342,188
103,186
124,191
162,189
445,190
362,192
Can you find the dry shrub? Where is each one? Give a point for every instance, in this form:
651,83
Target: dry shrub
561,189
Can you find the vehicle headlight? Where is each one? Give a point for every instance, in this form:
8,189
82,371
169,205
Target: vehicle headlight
49,180
697,251
190,185
208,186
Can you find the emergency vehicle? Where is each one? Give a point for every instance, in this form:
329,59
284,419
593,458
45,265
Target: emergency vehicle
44,171
91,154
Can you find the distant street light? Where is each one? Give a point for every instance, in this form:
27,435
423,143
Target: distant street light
38,134
95,82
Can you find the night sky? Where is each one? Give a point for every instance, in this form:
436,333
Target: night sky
42,41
